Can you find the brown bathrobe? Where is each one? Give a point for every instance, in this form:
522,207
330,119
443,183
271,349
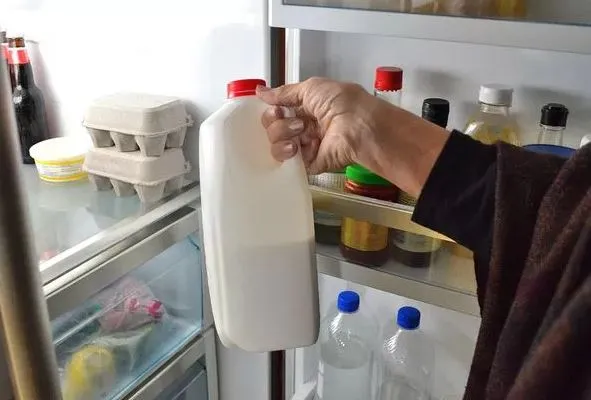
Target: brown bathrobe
528,219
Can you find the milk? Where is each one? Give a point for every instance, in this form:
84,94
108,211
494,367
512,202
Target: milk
258,231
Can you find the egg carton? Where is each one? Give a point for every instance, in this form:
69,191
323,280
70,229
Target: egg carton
130,173
132,121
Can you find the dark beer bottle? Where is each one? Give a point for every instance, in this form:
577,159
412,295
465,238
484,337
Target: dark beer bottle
4,54
27,98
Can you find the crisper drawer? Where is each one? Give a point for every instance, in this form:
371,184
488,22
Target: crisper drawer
191,386
116,338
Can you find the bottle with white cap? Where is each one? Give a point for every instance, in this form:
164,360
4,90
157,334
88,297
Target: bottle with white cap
493,121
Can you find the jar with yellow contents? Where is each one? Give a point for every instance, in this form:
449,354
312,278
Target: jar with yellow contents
363,242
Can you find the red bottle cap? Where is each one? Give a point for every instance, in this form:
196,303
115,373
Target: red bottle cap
388,78
244,87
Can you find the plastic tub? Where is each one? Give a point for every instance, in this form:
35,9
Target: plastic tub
60,159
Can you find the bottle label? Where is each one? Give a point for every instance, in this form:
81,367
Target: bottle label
363,235
327,219
415,243
18,56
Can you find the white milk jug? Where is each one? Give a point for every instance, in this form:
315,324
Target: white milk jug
258,231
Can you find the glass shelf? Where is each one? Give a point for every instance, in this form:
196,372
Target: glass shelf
449,281
555,11
564,27
73,223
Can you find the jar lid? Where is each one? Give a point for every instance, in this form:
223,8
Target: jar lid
359,174
554,114
496,95
244,87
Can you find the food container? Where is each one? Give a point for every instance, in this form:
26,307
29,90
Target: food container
60,159
130,121
128,173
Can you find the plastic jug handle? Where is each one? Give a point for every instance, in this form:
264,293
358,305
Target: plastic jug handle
290,113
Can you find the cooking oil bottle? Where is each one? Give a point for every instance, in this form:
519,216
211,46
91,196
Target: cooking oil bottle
493,121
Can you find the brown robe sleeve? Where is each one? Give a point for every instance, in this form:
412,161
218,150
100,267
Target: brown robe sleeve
532,284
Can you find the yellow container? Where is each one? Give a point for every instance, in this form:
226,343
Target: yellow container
61,159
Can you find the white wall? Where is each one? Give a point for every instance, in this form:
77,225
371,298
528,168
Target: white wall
85,49
184,48
455,71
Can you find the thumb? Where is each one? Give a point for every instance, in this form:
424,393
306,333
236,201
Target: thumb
286,95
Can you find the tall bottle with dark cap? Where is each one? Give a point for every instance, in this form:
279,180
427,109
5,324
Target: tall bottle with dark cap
408,248
552,124
29,105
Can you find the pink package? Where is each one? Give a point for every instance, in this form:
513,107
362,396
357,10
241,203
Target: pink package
129,305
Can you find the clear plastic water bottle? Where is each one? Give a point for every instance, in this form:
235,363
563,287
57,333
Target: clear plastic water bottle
345,367
407,358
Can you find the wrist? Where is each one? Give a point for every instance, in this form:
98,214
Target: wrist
401,147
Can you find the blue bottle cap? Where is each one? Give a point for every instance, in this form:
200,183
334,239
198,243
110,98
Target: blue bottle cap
409,318
348,301
560,151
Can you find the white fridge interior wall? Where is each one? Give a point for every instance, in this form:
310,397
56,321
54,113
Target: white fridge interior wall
455,71
184,48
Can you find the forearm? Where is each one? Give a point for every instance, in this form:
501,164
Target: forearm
401,147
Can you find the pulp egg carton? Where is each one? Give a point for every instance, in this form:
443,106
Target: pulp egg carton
132,121
132,172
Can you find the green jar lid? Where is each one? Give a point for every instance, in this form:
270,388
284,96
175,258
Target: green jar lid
359,174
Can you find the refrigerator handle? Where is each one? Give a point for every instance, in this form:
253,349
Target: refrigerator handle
23,311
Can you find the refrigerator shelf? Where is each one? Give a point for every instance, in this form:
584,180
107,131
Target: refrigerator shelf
380,212
449,282
160,382
567,33
72,223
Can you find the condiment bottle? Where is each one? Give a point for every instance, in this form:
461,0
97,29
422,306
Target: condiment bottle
493,122
552,124
388,84
408,248
327,226
364,242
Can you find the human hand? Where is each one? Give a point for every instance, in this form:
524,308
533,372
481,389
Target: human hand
331,121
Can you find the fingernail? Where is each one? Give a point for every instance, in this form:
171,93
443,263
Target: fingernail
296,125
261,89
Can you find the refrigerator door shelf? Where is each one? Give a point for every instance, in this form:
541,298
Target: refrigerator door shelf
116,338
567,28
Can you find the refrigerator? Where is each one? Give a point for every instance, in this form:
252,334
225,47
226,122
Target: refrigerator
87,246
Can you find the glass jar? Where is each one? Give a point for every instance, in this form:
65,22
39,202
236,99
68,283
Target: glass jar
363,242
327,226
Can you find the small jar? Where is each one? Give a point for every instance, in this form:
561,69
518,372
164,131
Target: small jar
327,226
363,242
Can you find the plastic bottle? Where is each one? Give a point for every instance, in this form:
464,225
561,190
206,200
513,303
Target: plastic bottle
258,231
585,140
407,359
419,251
493,122
346,357
388,84
552,124
363,242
